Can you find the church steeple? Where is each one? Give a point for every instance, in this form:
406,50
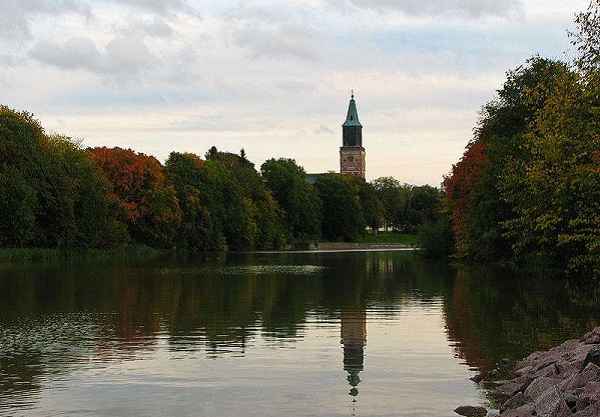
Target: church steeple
352,153
352,127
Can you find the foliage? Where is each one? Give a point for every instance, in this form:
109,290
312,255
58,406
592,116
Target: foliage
435,238
556,193
28,166
266,217
343,217
198,229
299,200
393,197
145,202
474,200
95,221
587,38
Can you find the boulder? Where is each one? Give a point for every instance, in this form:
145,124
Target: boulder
471,411
515,401
593,356
526,410
591,338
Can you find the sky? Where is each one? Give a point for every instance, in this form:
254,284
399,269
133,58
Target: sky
274,77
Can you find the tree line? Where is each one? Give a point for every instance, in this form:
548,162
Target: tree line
527,187
55,193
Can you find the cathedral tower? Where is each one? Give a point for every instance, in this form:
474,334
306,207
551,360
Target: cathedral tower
352,153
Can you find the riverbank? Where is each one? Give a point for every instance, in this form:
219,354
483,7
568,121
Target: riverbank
560,382
55,254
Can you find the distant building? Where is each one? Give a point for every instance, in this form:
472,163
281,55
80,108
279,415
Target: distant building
352,153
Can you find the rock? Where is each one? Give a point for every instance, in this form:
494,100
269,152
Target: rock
589,395
552,404
590,411
561,382
539,386
471,411
526,410
591,373
515,401
515,385
593,356
477,378
592,337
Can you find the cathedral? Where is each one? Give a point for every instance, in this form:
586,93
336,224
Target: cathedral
352,153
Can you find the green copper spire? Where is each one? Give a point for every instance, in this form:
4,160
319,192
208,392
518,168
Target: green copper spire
352,116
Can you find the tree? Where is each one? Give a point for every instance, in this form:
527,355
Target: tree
28,165
146,204
474,199
393,197
295,196
343,217
556,192
422,206
198,229
95,220
586,39
266,217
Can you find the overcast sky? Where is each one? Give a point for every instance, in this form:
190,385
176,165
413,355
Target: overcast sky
272,76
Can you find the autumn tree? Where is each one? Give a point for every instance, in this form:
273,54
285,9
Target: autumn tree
473,198
146,204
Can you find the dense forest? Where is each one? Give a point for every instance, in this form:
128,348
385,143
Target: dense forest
55,193
528,185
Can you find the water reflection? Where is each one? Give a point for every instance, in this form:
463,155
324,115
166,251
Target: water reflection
248,323
354,339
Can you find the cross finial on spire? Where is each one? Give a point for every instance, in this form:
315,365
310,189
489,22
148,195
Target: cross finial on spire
352,94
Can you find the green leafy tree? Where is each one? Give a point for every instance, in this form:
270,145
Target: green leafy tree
586,39
18,208
265,215
393,197
28,164
298,199
198,229
343,217
556,192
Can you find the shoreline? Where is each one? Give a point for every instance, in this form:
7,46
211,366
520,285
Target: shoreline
334,246
562,381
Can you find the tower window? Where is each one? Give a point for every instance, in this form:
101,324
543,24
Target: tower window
351,117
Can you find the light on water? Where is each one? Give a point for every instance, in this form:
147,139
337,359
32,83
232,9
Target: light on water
269,334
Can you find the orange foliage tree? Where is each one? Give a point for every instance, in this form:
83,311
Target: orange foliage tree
459,192
146,204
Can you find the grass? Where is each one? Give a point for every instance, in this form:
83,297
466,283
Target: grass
399,238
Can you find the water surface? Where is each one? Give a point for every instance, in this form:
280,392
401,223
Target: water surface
365,333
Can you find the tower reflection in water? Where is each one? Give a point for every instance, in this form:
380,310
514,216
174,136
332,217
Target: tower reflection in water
354,340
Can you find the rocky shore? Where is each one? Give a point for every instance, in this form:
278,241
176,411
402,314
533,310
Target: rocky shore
563,381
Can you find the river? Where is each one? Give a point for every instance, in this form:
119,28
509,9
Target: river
350,333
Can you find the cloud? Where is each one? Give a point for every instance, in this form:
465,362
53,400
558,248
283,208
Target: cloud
76,53
124,58
155,28
160,7
274,32
468,8
16,16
